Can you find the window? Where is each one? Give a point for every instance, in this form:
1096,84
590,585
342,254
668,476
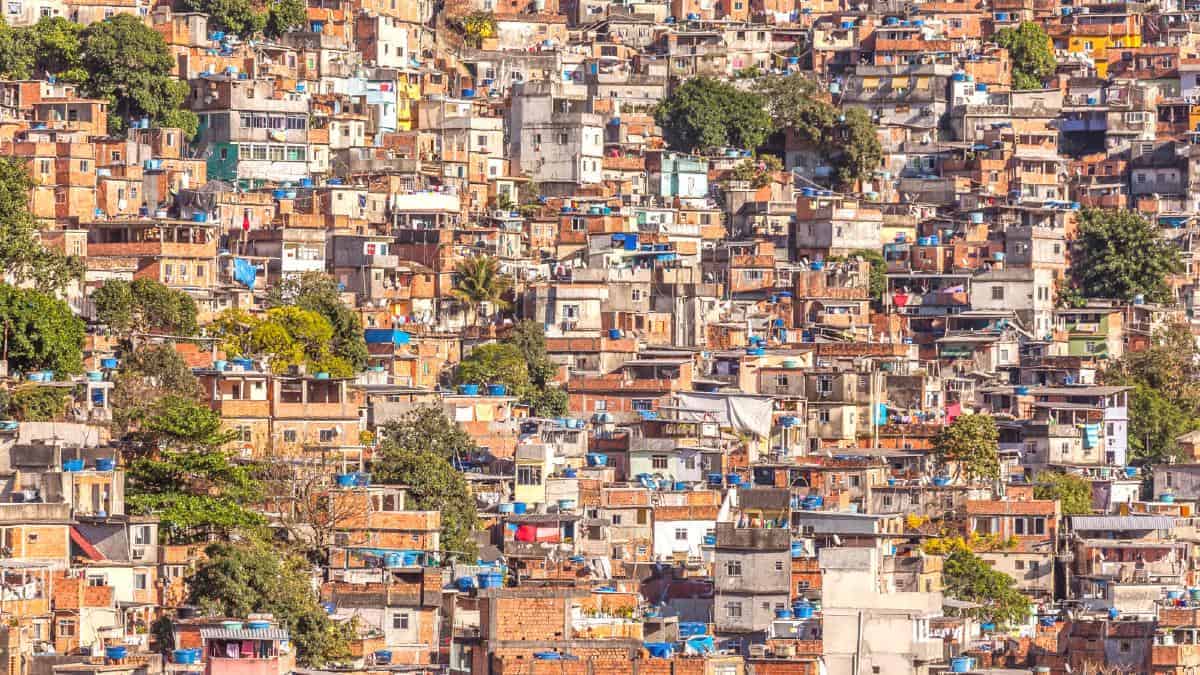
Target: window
289,435
327,435
616,519
400,621
681,534
997,292
886,500
733,610
66,628
733,568
643,404
823,415
659,462
1019,564
529,475
778,565
96,580
140,581
141,535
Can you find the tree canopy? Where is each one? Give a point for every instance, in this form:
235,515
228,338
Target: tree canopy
1165,401
40,332
148,374
129,63
144,304
238,579
705,113
416,451
284,16
478,280
239,17
1119,254
318,292
967,577
1031,52
970,446
22,253
286,336
1073,492
847,137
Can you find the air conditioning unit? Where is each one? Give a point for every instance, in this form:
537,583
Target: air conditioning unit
138,553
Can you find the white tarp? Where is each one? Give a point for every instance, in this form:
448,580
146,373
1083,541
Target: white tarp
741,412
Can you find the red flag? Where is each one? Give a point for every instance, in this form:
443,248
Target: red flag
246,221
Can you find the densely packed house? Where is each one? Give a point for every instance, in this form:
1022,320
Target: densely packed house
713,337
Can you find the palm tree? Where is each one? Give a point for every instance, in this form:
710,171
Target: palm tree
479,280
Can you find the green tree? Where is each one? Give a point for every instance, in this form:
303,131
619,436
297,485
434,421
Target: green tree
757,172
1031,53
796,102
428,428
284,16
495,363
477,27
287,336
22,254
40,332
1119,254
549,401
181,422
478,280
1073,492
147,375
184,120
55,43
705,113
145,305
971,445
434,485
129,63
1165,401
238,579
859,152
16,53
231,16
318,292
197,494
967,577
544,398
36,403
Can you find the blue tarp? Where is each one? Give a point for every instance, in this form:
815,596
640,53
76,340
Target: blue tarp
881,414
1091,435
384,335
244,272
699,645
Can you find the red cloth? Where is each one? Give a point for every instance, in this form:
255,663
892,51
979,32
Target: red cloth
952,411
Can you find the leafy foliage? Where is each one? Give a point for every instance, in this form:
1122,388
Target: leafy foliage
967,577
877,282
758,172
1165,401
428,428
144,304
238,579
129,63
284,16
21,252
434,485
176,421
38,404
1119,254
705,113
1073,492
195,493
232,16
495,363
50,47
477,27
287,336
148,374
318,292
40,332
478,280
1031,52
971,445
847,137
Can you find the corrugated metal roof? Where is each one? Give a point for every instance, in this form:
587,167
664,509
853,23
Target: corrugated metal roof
243,634
1093,523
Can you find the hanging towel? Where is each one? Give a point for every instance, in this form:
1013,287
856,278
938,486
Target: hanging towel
244,272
